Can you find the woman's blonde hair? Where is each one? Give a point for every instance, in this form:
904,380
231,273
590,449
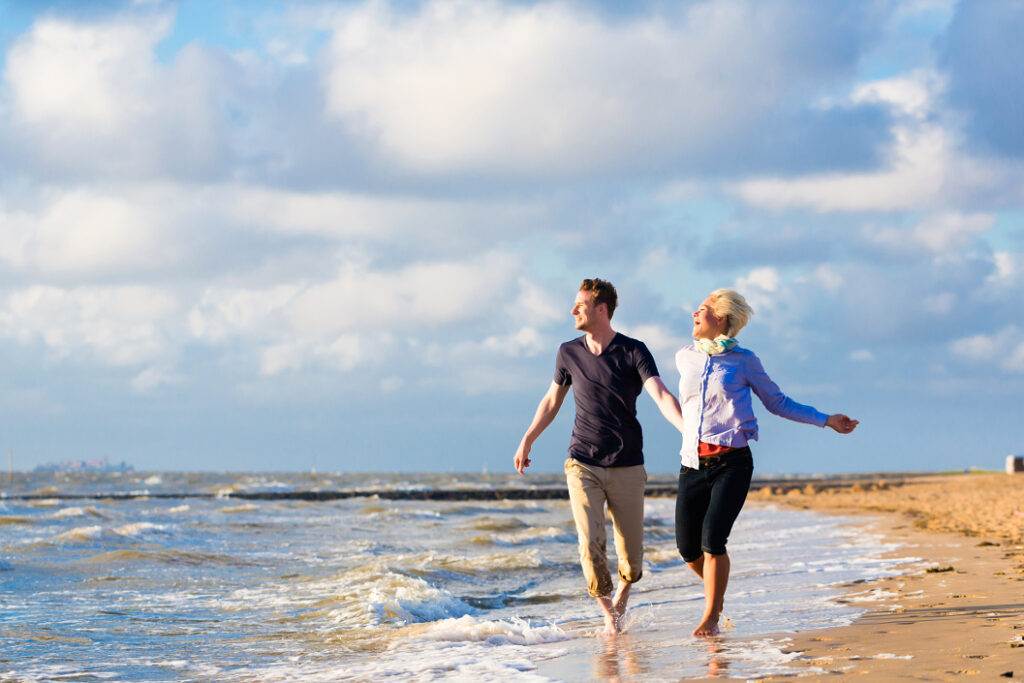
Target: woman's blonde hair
729,304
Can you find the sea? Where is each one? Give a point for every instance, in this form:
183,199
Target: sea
129,576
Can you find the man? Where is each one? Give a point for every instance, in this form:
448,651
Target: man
606,464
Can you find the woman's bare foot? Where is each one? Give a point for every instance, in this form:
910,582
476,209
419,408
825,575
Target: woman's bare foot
708,627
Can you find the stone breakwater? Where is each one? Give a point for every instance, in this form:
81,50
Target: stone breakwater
769,487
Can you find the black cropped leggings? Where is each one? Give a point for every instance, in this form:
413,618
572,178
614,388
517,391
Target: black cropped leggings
708,502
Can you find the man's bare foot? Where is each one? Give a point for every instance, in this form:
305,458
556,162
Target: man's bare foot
620,600
708,627
611,616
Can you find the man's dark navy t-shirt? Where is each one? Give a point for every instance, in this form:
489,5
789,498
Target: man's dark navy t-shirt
606,432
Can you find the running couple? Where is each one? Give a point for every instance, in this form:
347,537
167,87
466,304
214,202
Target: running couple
607,371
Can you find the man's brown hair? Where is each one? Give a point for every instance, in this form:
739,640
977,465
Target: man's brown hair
602,292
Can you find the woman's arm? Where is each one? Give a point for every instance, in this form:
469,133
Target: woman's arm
783,406
777,402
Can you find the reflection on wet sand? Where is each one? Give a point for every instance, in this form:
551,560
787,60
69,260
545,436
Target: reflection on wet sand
718,664
619,660
625,658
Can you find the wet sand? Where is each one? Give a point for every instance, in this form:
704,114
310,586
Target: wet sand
959,613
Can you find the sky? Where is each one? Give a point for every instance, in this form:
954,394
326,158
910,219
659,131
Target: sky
346,236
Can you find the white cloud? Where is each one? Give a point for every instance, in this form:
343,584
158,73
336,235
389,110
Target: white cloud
829,277
126,325
461,85
79,79
225,312
377,218
353,317
83,231
151,379
925,168
939,233
659,339
915,177
861,355
761,287
419,295
526,341
90,98
1009,271
539,305
390,385
1004,349
343,353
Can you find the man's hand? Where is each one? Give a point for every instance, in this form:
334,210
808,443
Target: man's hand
841,423
522,459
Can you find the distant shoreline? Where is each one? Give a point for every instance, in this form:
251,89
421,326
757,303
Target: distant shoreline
771,486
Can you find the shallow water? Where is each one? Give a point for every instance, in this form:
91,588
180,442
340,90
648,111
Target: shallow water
218,589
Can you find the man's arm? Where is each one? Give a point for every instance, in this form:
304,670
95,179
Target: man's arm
666,402
546,412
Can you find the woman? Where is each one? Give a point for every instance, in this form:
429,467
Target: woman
716,377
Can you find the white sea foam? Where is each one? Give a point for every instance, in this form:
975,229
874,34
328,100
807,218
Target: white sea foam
239,509
153,480
139,528
474,565
547,534
471,629
398,598
80,534
872,595
369,595
179,508
75,512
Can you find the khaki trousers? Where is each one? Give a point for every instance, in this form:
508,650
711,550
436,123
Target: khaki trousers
622,488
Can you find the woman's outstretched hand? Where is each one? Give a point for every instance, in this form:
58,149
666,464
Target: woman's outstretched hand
841,423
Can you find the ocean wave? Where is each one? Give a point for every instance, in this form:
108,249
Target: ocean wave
373,597
469,629
532,535
498,524
164,556
88,534
75,512
82,534
472,566
658,555
15,519
139,528
239,509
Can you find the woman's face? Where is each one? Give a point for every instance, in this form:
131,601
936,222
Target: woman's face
706,325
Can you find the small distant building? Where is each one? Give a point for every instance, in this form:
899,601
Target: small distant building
1014,464
100,465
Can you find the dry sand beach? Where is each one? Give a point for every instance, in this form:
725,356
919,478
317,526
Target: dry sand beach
960,615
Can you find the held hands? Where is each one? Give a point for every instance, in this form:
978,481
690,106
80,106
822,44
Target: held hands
841,423
522,459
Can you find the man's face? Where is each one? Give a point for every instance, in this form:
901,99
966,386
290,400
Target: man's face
584,312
